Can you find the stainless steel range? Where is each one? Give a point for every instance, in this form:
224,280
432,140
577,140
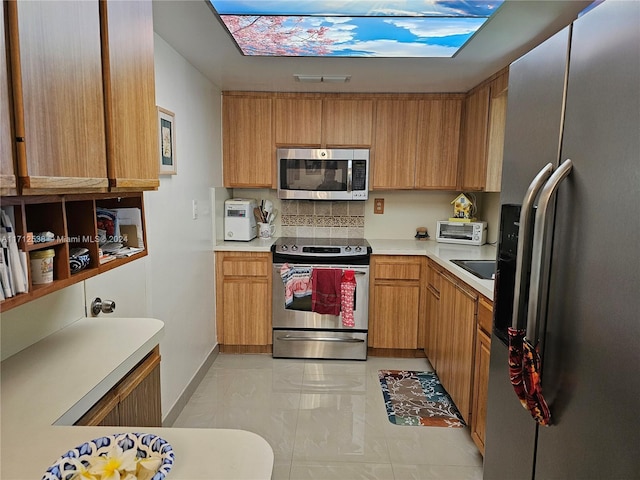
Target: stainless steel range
315,315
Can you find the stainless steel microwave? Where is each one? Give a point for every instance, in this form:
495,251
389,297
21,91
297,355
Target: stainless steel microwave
323,174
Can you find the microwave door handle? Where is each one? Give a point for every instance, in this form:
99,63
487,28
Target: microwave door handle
538,250
523,256
349,176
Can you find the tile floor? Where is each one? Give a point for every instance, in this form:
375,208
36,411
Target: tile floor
327,420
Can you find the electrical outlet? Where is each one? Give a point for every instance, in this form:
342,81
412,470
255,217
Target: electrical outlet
378,206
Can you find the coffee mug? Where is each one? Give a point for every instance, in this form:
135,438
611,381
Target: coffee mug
265,230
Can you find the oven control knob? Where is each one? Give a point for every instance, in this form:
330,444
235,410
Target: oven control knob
294,247
358,248
284,248
347,248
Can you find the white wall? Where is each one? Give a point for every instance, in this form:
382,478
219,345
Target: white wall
125,285
404,211
26,324
180,268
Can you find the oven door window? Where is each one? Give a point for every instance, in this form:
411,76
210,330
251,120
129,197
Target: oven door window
314,175
298,287
303,304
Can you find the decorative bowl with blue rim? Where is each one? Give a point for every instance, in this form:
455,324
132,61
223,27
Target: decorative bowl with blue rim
148,448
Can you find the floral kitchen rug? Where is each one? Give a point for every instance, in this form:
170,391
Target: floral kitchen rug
418,398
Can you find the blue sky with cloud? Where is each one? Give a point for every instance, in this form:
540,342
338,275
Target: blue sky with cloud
363,28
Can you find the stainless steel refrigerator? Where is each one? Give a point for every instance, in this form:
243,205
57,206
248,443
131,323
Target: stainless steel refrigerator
577,97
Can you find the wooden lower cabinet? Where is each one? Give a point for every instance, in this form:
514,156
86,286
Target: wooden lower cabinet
481,372
134,401
458,344
431,343
451,323
480,389
463,334
444,334
431,329
243,298
395,308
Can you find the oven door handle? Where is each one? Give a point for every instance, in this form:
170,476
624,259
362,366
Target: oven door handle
289,338
278,266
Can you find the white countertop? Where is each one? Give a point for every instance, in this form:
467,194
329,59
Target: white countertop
441,253
255,245
51,384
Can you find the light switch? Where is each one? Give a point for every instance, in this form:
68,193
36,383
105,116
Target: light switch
378,206
194,208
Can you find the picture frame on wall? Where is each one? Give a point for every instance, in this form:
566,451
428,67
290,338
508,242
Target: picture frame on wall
167,142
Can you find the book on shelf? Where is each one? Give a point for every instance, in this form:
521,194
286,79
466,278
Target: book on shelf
13,264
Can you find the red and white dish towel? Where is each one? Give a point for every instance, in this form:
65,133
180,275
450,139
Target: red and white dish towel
297,282
347,291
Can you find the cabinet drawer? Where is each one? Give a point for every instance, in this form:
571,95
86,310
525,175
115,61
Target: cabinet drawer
485,314
400,268
248,268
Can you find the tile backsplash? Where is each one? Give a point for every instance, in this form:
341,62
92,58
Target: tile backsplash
327,219
404,211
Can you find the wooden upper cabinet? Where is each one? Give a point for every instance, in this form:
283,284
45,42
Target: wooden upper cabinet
298,122
394,151
58,96
483,135
473,166
438,142
129,85
500,84
7,172
497,124
347,122
248,158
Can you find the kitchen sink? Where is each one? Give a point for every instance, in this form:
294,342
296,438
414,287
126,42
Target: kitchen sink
484,269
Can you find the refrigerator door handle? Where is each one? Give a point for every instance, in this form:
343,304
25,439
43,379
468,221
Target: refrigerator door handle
537,254
523,255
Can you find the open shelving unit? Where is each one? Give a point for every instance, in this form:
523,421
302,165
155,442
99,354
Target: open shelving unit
72,219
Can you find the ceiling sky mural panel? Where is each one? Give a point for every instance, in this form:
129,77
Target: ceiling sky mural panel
360,28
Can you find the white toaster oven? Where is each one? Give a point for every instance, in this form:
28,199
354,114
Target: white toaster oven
469,233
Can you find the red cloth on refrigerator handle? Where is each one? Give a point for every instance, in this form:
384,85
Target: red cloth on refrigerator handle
516,339
524,374
536,404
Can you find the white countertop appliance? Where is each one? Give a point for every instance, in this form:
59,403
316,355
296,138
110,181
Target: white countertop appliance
239,220
468,233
